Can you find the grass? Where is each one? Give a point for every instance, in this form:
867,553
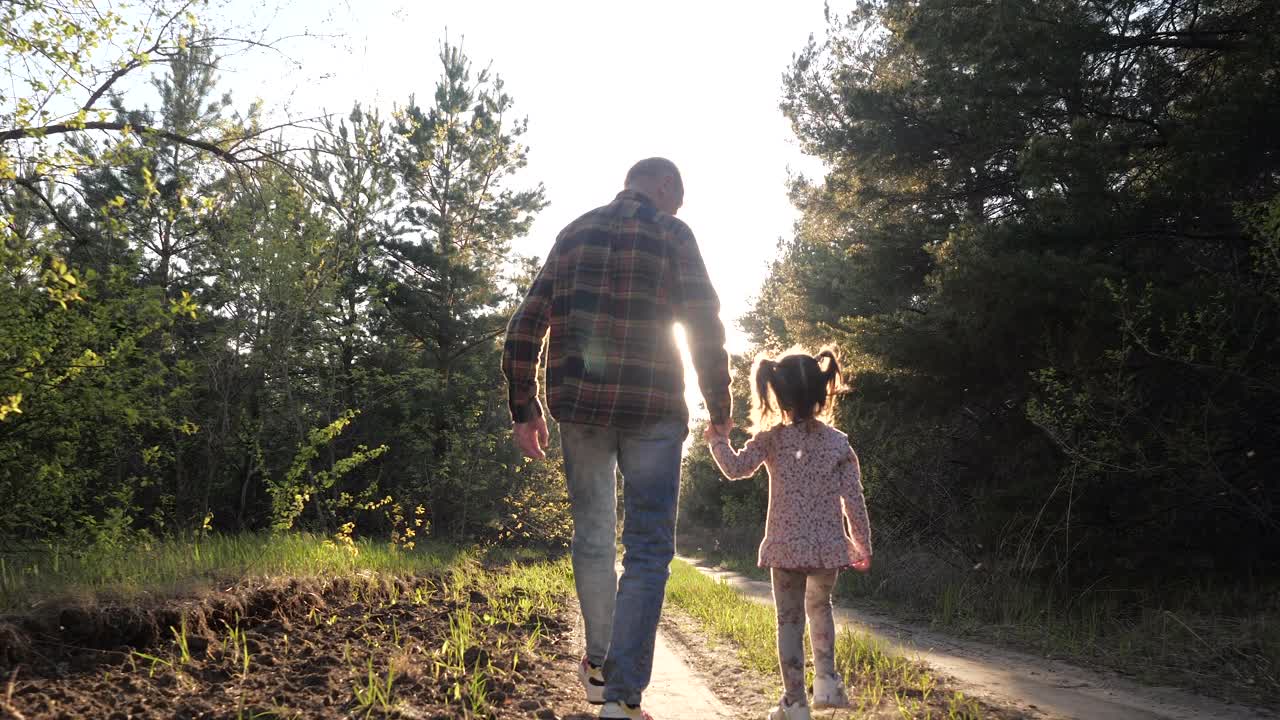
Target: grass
724,610
521,590
376,692
1223,641
879,678
174,566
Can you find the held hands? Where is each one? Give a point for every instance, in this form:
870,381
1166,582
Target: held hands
532,438
713,433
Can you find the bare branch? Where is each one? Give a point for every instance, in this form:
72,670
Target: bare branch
135,63
64,128
31,187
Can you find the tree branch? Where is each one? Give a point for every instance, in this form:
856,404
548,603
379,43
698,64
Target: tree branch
135,63
476,342
64,128
1185,41
32,188
105,86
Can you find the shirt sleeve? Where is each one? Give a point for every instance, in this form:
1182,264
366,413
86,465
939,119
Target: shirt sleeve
697,307
853,502
738,465
522,350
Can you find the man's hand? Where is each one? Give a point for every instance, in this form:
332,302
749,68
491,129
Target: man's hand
862,564
532,438
710,433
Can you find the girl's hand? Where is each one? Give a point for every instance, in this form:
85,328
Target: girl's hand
863,564
711,433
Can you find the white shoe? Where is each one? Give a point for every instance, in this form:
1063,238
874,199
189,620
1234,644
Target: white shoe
592,679
620,711
829,692
789,712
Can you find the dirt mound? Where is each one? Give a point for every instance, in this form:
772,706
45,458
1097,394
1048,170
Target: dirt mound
420,647
107,624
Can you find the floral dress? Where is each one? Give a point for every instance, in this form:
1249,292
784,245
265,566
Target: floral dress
814,484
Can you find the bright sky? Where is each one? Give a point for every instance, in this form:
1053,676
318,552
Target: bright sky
603,84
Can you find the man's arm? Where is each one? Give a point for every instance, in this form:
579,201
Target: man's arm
522,351
698,309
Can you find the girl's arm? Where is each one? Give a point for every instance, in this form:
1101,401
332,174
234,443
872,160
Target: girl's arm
738,465
855,505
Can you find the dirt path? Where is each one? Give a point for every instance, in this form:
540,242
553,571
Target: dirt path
1009,678
676,691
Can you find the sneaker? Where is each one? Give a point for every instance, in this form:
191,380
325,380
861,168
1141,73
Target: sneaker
621,711
829,692
789,712
592,678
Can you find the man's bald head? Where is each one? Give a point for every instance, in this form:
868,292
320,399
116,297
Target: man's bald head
660,180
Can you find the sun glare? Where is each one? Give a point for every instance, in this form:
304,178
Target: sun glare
692,395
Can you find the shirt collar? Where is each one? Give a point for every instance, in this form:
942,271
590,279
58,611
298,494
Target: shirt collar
636,196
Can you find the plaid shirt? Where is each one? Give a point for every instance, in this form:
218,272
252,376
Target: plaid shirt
612,287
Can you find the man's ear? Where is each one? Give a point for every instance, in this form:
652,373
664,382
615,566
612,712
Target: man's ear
671,186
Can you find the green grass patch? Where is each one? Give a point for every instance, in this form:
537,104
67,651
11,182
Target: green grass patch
544,581
179,565
879,678
749,625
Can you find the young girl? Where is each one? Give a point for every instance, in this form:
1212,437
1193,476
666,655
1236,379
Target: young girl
814,484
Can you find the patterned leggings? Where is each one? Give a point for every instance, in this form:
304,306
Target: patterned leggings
795,594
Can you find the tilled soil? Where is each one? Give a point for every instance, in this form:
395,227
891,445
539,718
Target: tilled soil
412,648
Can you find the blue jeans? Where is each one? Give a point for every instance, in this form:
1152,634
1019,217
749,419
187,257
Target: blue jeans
622,617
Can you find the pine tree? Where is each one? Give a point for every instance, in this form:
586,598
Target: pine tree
1030,244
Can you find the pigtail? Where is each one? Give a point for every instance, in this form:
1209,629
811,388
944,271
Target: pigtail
765,380
831,376
766,375
802,388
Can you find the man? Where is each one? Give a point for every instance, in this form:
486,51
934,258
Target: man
613,286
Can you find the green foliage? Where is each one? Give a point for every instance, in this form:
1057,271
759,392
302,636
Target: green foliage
89,437
438,276
208,329
1263,222
1045,243
290,495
